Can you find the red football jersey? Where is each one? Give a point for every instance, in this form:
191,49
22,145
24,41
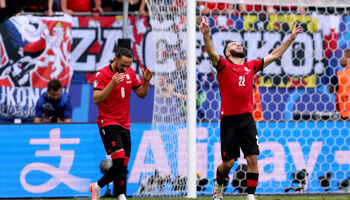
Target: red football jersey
79,5
236,86
115,109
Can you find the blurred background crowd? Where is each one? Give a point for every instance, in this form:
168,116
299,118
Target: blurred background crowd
139,7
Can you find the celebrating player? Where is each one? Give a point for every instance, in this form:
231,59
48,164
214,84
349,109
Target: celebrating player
237,127
112,89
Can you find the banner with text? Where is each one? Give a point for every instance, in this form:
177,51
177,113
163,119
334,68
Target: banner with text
61,160
33,50
94,39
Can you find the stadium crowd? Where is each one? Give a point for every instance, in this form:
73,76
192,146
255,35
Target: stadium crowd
139,7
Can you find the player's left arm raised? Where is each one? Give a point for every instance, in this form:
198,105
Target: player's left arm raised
143,90
277,53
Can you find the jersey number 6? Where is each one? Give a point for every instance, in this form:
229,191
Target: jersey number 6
123,92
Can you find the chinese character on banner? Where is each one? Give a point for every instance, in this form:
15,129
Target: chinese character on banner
60,174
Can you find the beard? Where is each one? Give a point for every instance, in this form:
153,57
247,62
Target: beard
118,69
54,101
234,53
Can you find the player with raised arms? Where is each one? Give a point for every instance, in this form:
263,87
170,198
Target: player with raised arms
237,126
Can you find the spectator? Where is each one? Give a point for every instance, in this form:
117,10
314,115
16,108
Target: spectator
177,87
275,9
41,6
11,8
53,105
2,10
2,4
107,5
134,6
206,8
71,6
272,10
257,107
177,82
244,8
301,10
340,86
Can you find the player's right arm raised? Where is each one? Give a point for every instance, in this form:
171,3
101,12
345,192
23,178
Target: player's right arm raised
277,53
205,29
101,95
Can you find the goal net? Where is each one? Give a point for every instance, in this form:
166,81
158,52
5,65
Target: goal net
302,126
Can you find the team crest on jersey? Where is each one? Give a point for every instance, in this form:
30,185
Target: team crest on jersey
95,83
247,70
127,76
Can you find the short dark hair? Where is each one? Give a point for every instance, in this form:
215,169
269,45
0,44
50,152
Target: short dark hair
226,44
54,85
122,51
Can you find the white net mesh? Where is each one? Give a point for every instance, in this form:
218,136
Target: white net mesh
303,140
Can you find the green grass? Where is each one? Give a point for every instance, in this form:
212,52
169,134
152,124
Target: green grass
323,197
289,197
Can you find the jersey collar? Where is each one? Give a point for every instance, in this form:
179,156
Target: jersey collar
110,67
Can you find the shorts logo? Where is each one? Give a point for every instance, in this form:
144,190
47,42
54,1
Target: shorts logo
113,144
257,139
224,154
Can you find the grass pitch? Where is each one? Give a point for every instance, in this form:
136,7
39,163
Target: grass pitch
309,197
289,197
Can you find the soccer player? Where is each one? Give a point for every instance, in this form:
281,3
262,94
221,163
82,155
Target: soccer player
237,127
53,106
112,89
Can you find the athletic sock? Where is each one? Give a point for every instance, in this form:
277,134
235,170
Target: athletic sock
252,182
112,173
121,178
220,177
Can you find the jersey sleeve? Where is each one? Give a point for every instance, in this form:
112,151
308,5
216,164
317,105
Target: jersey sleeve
67,109
135,82
99,83
221,64
258,64
39,107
